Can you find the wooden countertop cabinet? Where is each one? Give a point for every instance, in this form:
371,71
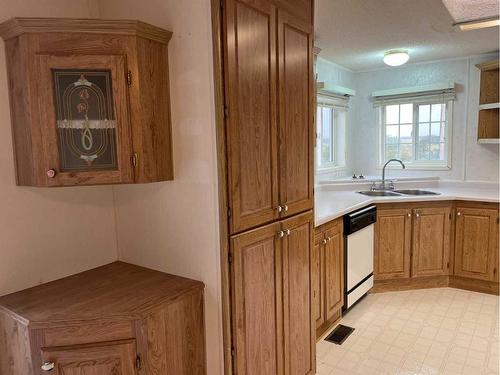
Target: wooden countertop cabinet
89,101
117,319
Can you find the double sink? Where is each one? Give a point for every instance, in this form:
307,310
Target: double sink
396,193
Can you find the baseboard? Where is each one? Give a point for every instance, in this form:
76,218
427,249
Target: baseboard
474,285
326,326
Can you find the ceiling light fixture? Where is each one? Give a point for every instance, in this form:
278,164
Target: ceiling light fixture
396,58
478,24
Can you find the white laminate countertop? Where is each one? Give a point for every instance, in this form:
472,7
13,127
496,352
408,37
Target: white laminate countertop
333,203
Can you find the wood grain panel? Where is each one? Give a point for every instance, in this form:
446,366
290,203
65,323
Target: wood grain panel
431,241
83,334
299,329
152,138
392,244
116,357
334,272
256,302
318,277
251,124
296,114
15,352
475,243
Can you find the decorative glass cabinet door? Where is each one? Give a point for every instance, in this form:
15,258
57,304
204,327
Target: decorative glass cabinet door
85,124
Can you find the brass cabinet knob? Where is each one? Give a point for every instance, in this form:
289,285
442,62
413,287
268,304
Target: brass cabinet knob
51,173
279,209
328,239
48,366
281,234
459,214
285,208
287,232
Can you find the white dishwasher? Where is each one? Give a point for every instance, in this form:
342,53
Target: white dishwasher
359,240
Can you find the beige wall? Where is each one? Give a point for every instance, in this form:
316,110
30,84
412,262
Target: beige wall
173,226
46,234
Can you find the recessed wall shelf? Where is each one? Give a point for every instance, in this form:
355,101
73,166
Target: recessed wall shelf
489,103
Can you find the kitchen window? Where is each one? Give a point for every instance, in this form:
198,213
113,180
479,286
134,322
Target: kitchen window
417,133
330,136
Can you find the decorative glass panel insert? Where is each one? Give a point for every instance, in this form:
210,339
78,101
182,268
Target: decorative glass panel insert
85,119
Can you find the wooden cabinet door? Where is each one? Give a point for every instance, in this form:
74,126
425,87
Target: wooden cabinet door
318,278
296,129
334,271
299,332
256,302
476,241
85,135
431,241
392,244
110,358
251,84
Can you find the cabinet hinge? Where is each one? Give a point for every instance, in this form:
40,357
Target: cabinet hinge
232,351
228,212
135,159
226,111
129,78
230,258
138,362
449,216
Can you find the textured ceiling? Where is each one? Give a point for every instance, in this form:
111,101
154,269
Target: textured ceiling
356,33
471,10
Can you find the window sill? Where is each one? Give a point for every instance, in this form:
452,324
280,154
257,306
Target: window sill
418,167
330,170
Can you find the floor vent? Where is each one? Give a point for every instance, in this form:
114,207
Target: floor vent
339,334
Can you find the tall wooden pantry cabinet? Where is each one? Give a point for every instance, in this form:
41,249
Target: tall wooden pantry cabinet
268,90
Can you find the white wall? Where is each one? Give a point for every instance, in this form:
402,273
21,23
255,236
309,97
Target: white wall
470,160
173,226
46,234
333,74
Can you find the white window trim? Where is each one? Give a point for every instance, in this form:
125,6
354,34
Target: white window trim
325,101
417,164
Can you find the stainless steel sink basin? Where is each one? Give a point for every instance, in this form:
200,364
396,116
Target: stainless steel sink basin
379,193
416,192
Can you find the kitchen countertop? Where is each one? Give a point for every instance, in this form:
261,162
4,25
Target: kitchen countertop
333,203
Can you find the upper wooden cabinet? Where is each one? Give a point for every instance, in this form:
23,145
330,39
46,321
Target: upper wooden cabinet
476,243
89,101
268,98
489,103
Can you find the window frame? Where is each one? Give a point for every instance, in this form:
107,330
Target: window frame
331,166
417,164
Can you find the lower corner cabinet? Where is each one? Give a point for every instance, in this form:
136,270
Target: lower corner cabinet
117,319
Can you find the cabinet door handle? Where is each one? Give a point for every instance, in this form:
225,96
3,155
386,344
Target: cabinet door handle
285,208
281,234
287,232
51,173
279,209
459,214
417,214
328,239
324,241
48,366
409,215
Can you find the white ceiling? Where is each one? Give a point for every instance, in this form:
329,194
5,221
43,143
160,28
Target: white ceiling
356,33
467,10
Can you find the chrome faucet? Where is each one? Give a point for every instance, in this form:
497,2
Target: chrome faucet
383,185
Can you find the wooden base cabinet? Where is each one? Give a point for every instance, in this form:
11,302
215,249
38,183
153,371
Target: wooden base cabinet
437,245
328,274
476,243
117,319
273,331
